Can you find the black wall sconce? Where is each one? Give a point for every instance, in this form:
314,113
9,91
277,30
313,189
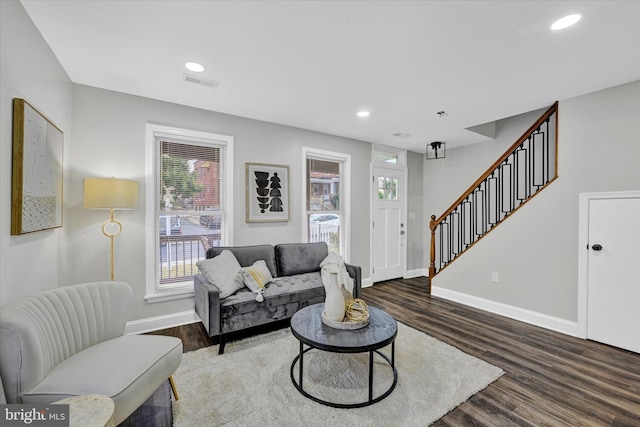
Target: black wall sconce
436,150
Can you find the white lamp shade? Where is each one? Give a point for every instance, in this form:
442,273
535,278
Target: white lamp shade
110,193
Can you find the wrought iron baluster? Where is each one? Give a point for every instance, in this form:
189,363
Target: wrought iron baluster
523,170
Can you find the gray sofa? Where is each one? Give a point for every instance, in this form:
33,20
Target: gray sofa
296,270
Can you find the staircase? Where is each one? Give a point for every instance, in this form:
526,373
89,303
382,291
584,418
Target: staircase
527,167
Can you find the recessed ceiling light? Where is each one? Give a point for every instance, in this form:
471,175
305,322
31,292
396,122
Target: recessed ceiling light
194,66
565,22
363,114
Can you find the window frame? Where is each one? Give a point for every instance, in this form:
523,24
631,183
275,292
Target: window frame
344,161
155,292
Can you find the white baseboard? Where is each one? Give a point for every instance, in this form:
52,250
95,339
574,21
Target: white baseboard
367,282
534,318
161,322
418,272
409,274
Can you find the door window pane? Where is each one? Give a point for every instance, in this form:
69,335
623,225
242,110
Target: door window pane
387,188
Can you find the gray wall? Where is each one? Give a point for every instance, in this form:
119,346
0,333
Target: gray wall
109,140
536,250
417,227
29,69
109,130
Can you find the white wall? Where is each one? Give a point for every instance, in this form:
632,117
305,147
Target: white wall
535,251
36,261
109,140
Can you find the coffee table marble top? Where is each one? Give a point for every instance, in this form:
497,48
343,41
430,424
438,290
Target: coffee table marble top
307,327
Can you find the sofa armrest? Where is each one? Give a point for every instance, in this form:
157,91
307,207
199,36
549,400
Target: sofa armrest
207,299
356,274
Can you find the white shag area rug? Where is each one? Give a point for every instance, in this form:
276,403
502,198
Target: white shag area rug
250,384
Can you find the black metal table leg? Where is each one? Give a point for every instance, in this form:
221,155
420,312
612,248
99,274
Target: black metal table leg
300,371
393,354
370,375
391,363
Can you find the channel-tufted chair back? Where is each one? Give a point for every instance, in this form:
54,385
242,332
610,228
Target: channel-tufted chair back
43,330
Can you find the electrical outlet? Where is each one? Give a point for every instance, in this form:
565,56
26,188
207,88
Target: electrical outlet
495,277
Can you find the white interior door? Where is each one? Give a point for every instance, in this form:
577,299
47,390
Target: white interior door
613,308
388,228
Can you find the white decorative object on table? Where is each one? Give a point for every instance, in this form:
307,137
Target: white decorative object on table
337,283
356,316
334,303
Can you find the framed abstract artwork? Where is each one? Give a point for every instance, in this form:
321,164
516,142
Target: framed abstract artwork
36,190
267,188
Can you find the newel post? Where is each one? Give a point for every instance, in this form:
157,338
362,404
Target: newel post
432,261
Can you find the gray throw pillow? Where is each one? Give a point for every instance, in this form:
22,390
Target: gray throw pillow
222,271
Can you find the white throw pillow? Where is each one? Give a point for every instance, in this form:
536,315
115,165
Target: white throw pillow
222,272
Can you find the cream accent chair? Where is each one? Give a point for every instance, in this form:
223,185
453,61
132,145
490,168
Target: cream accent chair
69,341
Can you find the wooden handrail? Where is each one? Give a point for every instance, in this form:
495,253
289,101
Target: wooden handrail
479,186
553,109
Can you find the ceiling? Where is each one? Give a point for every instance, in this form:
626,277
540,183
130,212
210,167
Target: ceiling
315,64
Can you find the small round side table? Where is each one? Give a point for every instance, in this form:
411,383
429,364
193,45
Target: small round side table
90,410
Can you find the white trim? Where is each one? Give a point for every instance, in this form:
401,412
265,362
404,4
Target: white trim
534,318
418,272
345,196
583,252
153,294
160,296
149,324
367,282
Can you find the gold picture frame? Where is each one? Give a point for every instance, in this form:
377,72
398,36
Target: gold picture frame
267,191
36,190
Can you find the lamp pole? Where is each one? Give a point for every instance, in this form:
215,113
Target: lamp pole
112,228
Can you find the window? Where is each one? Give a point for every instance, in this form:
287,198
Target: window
385,156
189,201
388,155
387,188
327,177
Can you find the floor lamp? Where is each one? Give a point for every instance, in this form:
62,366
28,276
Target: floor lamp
112,194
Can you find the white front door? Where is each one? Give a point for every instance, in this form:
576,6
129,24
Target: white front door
388,227
613,308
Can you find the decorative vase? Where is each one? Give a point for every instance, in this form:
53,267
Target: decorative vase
334,303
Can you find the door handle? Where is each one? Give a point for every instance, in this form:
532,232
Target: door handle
596,247
401,232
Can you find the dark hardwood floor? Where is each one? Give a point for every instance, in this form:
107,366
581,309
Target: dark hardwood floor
550,379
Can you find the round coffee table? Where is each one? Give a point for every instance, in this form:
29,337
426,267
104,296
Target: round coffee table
308,328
